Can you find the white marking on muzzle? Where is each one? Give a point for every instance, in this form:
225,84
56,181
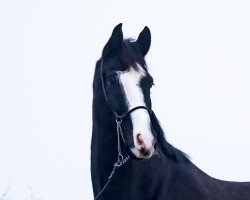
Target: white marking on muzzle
130,81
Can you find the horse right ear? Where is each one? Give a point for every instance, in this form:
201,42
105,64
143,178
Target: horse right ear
144,40
114,42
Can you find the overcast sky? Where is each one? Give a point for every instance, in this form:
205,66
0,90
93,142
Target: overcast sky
199,58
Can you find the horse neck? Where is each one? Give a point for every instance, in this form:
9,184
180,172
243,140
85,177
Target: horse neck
104,142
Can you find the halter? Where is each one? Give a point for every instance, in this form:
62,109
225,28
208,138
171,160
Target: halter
118,119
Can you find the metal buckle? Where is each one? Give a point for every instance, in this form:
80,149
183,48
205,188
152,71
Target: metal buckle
120,161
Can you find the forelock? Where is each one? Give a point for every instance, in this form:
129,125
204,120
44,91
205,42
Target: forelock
131,55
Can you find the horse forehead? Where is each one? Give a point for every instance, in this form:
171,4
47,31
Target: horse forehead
133,74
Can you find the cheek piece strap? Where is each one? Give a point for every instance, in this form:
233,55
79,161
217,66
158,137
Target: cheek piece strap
118,118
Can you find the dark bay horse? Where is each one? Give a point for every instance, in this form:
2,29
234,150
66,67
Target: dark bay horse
126,132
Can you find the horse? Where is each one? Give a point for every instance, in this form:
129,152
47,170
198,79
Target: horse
130,156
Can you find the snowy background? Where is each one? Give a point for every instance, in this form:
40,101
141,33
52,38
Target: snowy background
200,59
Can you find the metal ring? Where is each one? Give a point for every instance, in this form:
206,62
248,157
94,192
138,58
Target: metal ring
118,119
120,157
118,164
120,161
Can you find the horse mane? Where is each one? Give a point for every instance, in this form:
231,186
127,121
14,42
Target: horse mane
167,149
131,56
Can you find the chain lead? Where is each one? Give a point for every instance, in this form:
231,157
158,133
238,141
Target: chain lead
120,158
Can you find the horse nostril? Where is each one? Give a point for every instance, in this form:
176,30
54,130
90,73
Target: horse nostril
140,141
144,152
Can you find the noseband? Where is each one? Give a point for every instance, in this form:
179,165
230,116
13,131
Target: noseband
118,119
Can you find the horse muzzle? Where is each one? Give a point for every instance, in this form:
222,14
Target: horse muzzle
142,149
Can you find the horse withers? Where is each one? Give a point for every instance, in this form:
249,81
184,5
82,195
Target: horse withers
130,157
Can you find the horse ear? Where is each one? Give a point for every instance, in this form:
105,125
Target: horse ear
144,40
114,42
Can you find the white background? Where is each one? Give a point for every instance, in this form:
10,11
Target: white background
200,59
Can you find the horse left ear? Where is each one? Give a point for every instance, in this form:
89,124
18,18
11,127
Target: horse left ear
114,42
144,40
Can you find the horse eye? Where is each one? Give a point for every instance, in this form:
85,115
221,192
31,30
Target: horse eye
113,80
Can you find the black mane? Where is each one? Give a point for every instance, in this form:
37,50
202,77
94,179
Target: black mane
131,54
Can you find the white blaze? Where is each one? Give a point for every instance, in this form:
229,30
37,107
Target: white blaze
130,81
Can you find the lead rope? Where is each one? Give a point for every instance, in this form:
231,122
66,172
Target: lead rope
120,159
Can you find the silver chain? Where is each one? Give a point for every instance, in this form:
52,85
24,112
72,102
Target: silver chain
120,160
118,127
